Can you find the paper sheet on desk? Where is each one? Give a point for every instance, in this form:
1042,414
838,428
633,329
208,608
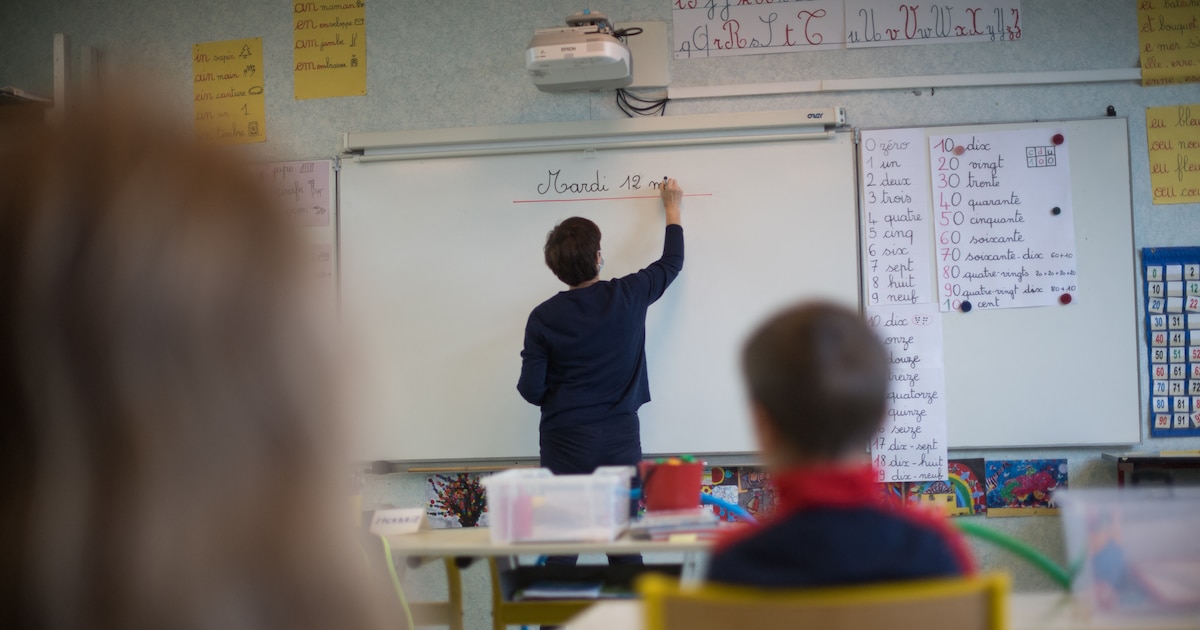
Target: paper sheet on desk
561,590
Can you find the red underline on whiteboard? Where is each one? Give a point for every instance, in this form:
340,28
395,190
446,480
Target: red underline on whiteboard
602,198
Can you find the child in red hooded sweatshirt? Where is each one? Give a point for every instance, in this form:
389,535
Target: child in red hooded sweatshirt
817,379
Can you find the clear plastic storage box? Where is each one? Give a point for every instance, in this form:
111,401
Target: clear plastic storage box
532,504
1136,551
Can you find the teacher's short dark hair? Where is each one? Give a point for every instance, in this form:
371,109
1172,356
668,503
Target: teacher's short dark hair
571,249
821,374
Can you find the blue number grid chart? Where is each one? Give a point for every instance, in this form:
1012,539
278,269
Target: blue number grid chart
1171,286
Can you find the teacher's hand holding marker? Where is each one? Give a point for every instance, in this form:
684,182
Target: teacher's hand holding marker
584,360
672,197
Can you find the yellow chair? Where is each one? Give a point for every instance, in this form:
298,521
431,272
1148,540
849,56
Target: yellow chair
975,603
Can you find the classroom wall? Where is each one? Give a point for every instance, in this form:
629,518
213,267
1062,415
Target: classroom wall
451,63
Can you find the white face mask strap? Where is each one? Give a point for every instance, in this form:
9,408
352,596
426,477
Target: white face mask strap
601,266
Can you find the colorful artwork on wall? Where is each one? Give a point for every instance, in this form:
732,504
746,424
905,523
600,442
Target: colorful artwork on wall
456,500
1022,487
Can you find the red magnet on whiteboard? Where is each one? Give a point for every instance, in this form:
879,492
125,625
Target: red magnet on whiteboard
1057,139
1064,299
959,150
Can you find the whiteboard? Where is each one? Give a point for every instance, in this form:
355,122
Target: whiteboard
441,261
1057,375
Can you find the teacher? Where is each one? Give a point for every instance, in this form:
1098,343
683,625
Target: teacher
584,361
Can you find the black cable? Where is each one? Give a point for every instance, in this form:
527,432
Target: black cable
646,108
633,105
643,106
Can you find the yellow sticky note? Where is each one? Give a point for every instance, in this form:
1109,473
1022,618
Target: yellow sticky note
227,85
329,48
1169,36
1173,136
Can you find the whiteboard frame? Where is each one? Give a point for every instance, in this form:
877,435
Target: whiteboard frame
1110,413
749,128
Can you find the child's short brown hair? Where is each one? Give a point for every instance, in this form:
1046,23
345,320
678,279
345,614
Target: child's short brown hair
821,374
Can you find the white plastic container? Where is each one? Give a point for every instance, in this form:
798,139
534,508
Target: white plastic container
1136,551
534,505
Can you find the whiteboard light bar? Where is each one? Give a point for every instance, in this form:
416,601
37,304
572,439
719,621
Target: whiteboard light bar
427,152
606,134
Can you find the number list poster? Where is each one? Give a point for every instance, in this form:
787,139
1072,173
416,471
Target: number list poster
1006,232
899,255
329,49
227,89
911,443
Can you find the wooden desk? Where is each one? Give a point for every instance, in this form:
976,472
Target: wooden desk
507,577
1027,611
1136,462
475,542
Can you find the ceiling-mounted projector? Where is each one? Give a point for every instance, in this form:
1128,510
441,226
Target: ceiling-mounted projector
584,55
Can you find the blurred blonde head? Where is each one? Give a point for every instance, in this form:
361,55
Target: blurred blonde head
168,458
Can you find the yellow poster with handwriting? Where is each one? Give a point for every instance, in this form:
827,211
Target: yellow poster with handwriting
1173,135
1169,36
329,48
227,85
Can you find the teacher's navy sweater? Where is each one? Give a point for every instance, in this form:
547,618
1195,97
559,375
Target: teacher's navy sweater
830,528
585,349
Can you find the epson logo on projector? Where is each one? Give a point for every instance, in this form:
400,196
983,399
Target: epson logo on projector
567,49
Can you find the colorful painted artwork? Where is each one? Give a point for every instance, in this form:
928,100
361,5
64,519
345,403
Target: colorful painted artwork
964,488
722,483
759,502
967,481
456,500
1022,487
729,494
753,479
722,476
747,487
937,494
